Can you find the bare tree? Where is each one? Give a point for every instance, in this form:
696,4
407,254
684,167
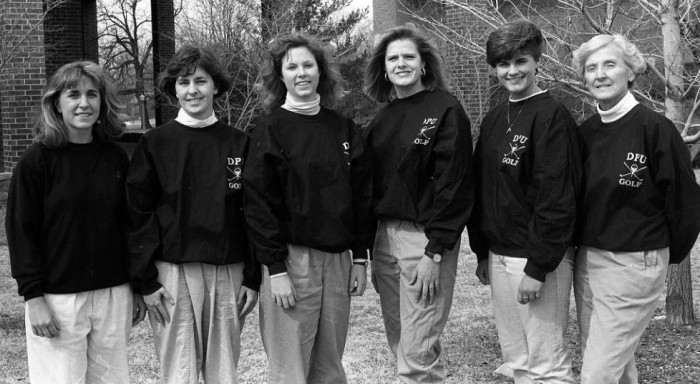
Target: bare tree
667,30
16,30
125,42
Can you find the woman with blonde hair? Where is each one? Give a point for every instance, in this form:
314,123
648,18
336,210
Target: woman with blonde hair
640,211
66,228
423,195
307,204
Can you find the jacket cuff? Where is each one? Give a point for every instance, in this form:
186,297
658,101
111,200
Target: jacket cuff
534,271
252,285
434,246
277,267
32,295
482,256
149,287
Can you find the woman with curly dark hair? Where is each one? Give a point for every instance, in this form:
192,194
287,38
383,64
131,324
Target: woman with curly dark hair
189,246
66,228
307,204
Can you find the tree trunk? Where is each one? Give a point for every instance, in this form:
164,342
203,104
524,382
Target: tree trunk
679,296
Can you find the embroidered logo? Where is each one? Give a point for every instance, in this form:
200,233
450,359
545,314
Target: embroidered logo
634,162
516,147
428,125
234,172
346,151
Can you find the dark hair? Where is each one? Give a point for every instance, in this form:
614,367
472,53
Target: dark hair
520,36
185,62
272,88
382,90
51,130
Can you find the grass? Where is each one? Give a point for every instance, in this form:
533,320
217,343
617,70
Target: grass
470,344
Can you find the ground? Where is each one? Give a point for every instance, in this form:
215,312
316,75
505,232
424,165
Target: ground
470,345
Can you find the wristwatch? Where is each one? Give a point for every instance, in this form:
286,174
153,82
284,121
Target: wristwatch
436,257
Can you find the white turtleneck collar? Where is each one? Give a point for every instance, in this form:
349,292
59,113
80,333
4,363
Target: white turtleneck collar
185,119
620,109
526,97
310,108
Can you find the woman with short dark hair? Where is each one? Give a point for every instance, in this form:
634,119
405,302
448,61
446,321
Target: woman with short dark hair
528,178
641,210
189,246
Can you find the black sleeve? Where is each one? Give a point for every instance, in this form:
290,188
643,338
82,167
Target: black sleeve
682,201
361,177
252,271
453,180
478,241
264,200
23,223
144,241
556,177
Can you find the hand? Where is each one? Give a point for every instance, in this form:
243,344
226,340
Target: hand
283,291
529,290
426,275
42,319
156,305
139,310
358,280
482,272
246,301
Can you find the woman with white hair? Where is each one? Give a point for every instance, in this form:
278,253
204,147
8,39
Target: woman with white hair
640,211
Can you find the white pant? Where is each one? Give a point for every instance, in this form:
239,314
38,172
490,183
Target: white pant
616,296
91,345
203,334
533,336
305,343
413,330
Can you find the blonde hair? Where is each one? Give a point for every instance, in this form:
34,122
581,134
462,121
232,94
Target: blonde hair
634,61
51,130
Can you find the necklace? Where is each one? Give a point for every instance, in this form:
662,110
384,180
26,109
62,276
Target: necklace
510,125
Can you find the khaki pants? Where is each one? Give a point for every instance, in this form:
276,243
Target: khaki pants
413,330
533,336
91,345
616,296
203,334
305,343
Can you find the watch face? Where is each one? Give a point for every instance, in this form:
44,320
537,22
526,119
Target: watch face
437,258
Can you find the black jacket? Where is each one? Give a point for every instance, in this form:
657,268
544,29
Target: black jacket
307,182
640,190
528,183
186,201
422,155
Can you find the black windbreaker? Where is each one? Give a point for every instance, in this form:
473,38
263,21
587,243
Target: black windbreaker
640,191
307,182
185,197
528,183
422,155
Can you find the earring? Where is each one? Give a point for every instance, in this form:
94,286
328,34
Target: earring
422,72
386,77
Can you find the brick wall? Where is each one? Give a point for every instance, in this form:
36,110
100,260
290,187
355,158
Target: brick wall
71,34
471,77
22,77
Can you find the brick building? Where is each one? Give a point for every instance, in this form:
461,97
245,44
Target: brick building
38,36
